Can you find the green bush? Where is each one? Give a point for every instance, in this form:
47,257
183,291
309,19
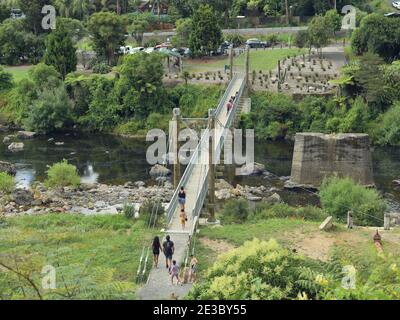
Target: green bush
338,196
152,213
62,174
101,68
129,210
235,211
258,270
7,183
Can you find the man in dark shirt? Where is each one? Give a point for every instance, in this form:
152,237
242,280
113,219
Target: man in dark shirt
168,248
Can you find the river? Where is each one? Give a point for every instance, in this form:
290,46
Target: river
115,160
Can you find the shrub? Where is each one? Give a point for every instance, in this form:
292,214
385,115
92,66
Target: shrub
101,68
7,183
338,196
152,213
235,211
62,174
129,210
258,270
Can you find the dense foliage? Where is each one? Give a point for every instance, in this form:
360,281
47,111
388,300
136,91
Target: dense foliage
62,175
339,196
7,183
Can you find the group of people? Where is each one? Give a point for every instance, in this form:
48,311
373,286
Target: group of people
168,248
231,102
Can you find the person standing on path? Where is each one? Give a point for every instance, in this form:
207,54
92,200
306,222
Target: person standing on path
156,250
182,198
193,269
168,249
175,273
229,106
183,218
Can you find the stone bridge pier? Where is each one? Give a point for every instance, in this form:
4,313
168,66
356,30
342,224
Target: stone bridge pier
318,155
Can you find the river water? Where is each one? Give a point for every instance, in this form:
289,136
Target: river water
115,160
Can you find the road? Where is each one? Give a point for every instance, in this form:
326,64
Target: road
244,32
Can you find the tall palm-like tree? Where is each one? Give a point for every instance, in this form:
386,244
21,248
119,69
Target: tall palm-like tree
64,7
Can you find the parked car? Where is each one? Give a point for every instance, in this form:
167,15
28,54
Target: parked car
396,4
256,43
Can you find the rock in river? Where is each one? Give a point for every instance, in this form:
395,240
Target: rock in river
8,168
24,135
23,197
16,146
251,169
159,170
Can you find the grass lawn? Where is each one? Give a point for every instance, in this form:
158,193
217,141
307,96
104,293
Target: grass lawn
259,60
95,257
303,236
19,73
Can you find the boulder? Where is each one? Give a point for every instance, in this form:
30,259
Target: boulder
159,170
25,135
275,198
139,184
327,224
251,169
7,140
223,194
8,168
23,197
221,184
3,128
16,146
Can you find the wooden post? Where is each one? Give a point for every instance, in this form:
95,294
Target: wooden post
350,220
247,66
287,12
231,63
175,139
211,171
386,221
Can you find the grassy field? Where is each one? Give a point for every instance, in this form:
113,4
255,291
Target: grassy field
19,73
259,60
95,257
302,236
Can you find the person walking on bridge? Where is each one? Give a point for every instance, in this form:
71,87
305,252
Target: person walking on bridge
183,218
182,198
168,249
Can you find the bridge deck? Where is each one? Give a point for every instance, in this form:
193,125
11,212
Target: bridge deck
159,286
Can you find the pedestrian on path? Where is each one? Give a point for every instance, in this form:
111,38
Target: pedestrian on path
156,250
229,106
183,218
175,273
182,198
193,269
168,249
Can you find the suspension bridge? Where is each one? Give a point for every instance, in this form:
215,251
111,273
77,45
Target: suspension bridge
196,180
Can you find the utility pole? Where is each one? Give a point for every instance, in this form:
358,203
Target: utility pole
287,12
211,171
231,62
247,66
175,139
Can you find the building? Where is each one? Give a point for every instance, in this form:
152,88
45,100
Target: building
156,7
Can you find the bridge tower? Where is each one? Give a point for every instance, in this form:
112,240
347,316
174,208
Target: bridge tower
211,163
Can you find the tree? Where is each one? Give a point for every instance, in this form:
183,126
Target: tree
137,30
319,32
60,52
377,34
206,35
52,111
302,40
6,80
33,12
334,20
108,31
182,32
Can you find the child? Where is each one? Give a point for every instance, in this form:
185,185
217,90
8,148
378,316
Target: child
175,273
183,218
